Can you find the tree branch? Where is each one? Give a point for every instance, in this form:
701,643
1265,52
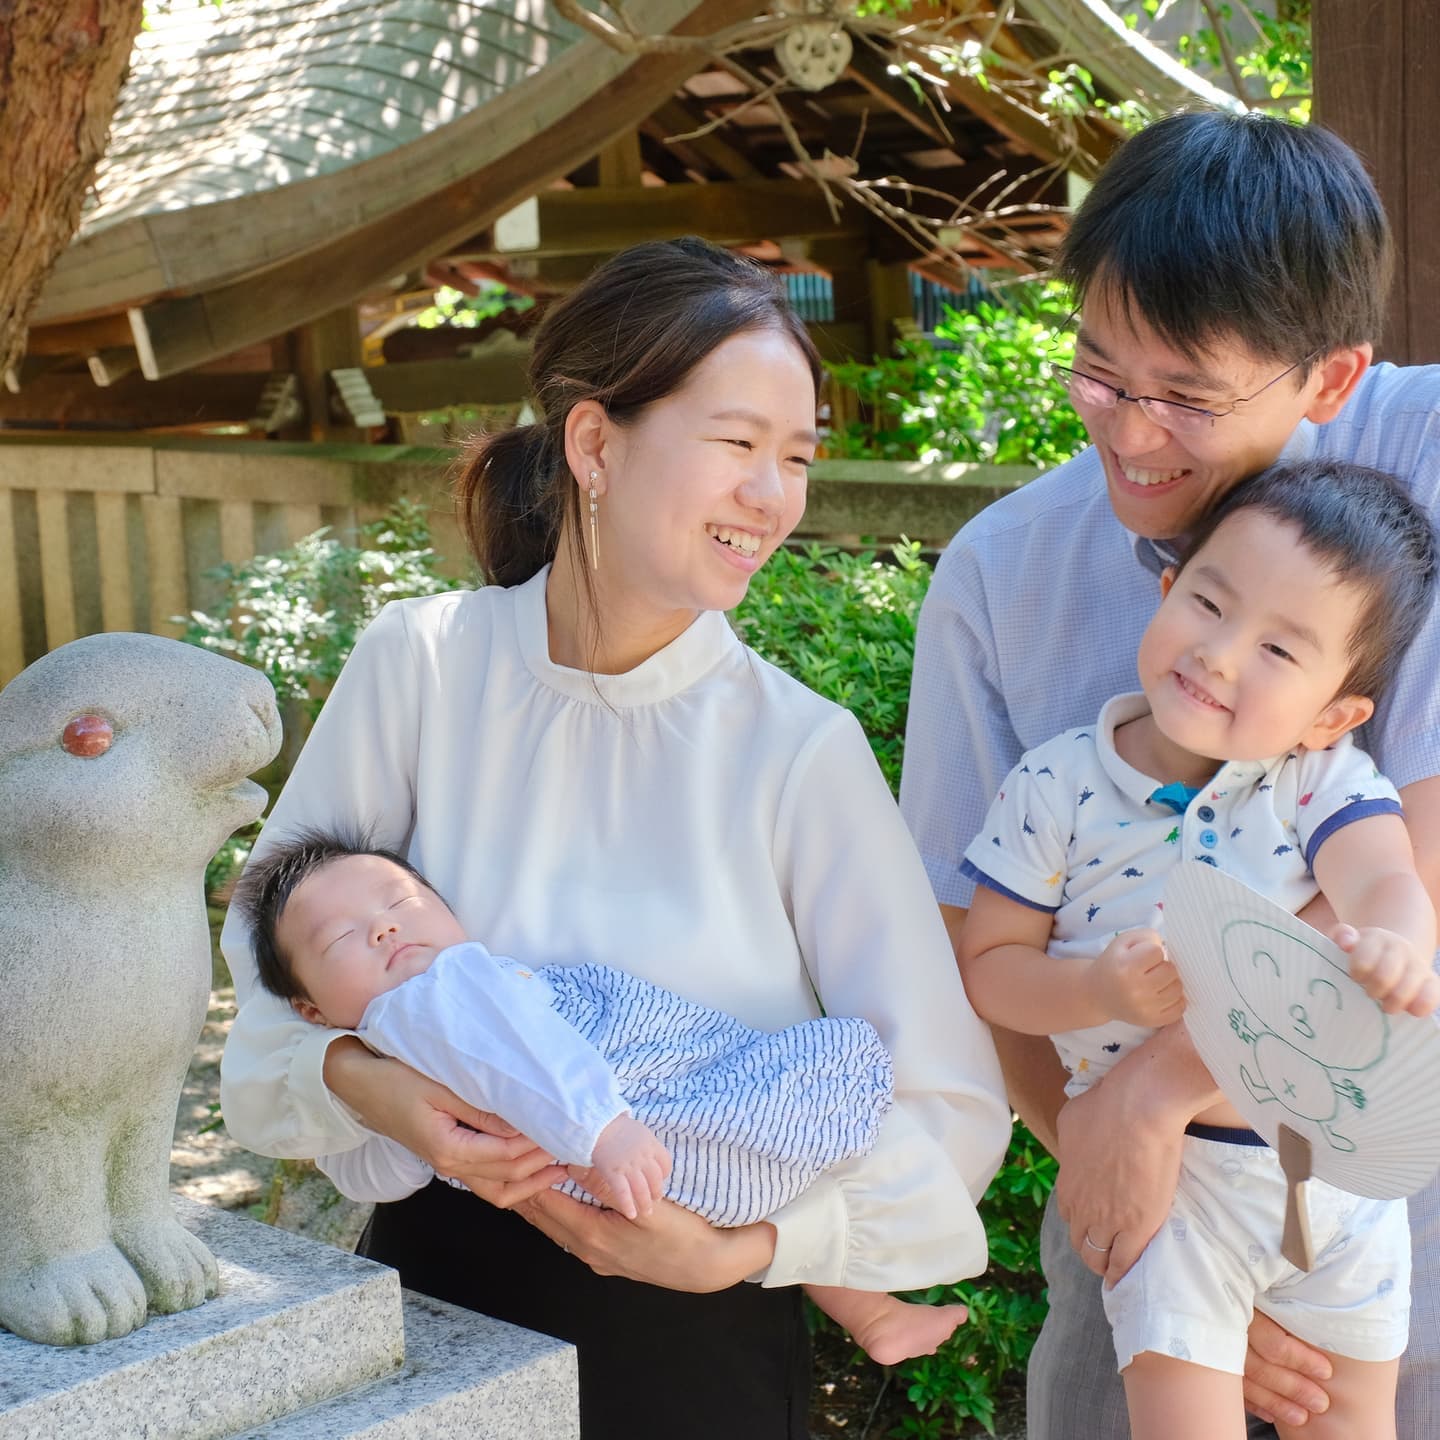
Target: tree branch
1227,53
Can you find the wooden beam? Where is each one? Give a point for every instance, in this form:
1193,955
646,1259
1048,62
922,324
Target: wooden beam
414,386
600,220
112,364
1027,128
48,465
674,118
80,337
133,403
895,95
183,333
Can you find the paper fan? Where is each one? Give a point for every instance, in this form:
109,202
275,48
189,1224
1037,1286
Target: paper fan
1291,1039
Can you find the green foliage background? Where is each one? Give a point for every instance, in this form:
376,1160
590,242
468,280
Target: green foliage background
980,391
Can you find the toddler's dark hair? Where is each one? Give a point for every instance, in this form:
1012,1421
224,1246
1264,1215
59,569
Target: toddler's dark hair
267,884
1362,525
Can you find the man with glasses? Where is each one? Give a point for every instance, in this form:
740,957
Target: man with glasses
1230,273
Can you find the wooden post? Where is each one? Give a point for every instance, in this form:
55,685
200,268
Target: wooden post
1375,67
117,600
12,634
329,343
620,161
890,304
165,555
57,584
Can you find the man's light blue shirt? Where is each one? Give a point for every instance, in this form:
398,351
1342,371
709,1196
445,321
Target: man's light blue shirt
1037,607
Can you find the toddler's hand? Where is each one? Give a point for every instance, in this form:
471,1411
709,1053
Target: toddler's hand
1390,968
628,1169
1133,981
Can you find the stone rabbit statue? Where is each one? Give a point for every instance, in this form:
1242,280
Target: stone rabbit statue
123,764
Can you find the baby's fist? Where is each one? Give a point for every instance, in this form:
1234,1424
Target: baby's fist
628,1168
1133,981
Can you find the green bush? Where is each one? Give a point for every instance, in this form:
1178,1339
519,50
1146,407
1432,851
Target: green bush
295,615
843,624
983,395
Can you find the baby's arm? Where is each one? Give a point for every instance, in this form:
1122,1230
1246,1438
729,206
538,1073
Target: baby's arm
487,1031
1387,924
628,1168
1012,981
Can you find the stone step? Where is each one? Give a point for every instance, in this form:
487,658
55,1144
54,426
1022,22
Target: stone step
464,1375
295,1323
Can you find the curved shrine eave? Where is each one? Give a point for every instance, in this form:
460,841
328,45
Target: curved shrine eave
262,173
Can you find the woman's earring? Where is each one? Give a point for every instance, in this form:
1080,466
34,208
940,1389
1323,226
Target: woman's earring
594,523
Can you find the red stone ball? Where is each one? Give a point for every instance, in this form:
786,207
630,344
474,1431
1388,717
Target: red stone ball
88,736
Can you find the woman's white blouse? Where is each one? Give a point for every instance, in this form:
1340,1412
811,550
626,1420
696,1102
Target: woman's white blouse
702,821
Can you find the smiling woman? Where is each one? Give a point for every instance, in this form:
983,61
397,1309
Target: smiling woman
587,762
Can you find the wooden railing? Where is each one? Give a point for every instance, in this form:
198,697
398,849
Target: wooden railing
112,534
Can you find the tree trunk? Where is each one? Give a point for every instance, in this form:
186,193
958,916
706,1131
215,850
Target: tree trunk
61,65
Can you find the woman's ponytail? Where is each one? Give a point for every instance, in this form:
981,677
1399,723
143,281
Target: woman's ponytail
510,503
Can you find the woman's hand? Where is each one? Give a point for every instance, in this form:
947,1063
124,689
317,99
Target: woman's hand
672,1247
1281,1374
1117,1180
489,1156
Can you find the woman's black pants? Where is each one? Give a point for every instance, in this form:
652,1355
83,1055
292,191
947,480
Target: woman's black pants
653,1363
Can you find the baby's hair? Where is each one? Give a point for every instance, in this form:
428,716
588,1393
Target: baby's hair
268,883
1369,533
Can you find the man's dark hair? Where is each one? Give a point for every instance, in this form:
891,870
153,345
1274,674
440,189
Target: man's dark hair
267,884
1213,226
1368,532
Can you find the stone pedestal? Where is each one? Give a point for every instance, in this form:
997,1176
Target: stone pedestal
303,1342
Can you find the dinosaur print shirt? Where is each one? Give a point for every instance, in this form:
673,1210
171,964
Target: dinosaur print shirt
1079,832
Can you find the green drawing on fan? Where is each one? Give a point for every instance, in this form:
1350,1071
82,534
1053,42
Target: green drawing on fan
1304,1029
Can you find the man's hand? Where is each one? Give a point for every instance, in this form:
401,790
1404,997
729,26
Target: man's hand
1281,1374
1133,981
1390,968
628,1168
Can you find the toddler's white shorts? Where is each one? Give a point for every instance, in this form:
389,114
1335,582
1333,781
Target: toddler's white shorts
1217,1255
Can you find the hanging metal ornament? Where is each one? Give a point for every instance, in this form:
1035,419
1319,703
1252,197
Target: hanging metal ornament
815,54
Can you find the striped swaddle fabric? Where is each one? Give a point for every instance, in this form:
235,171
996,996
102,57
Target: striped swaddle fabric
750,1118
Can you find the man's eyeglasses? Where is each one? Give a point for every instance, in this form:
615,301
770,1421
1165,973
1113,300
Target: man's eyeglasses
1172,415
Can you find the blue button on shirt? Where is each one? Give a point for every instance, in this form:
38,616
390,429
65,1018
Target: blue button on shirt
1038,604
1205,813
1209,839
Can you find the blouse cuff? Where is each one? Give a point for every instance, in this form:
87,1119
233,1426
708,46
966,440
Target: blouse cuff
811,1239
318,1110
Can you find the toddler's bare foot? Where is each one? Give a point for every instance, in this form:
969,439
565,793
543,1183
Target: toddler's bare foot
887,1329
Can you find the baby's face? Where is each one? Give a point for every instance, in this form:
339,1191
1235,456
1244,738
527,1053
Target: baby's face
357,928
